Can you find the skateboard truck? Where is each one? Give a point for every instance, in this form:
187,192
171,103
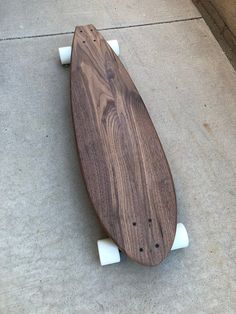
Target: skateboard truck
65,52
109,252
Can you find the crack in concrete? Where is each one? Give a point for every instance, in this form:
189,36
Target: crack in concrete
101,29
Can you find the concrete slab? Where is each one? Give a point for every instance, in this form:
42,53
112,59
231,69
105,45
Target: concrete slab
28,18
48,230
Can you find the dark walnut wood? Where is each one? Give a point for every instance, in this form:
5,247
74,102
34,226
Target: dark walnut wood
124,166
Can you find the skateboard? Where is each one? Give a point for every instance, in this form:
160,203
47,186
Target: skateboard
124,167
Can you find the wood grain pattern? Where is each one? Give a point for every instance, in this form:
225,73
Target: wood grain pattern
122,160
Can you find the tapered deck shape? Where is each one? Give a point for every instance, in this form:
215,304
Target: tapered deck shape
122,160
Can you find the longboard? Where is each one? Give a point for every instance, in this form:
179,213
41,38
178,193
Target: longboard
125,169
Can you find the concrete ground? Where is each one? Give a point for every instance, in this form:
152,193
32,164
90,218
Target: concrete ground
48,229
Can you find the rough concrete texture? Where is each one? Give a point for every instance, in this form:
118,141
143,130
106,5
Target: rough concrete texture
29,18
48,229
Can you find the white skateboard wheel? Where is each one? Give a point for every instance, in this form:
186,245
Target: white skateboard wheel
108,252
181,238
114,46
65,55
65,52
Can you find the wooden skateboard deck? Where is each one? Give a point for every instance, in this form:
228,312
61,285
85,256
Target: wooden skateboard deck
123,163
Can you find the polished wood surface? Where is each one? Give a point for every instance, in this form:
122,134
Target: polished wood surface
124,166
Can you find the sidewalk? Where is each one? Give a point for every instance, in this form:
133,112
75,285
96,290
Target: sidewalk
48,228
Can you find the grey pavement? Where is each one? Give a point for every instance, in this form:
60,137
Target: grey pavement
29,18
48,228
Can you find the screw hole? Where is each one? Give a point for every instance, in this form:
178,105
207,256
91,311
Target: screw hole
94,40
157,245
141,249
83,41
81,31
134,223
91,30
150,220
